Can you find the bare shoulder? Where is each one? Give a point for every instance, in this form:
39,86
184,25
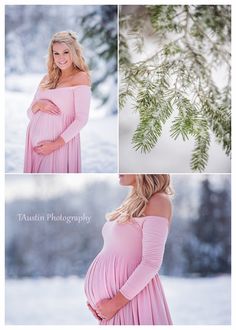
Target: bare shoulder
81,78
44,79
159,205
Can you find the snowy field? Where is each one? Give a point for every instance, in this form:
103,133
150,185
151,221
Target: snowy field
198,301
98,137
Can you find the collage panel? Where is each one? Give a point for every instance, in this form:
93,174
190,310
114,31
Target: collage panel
68,248
175,88
117,164
61,88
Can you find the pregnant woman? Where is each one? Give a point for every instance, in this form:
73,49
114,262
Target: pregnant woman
59,110
122,284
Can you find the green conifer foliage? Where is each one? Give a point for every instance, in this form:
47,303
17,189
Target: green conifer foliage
177,81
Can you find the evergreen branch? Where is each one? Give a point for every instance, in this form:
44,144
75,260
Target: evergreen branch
222,54
179,76
200,156
147,134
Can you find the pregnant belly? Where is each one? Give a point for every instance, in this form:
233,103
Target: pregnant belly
105,276
45,127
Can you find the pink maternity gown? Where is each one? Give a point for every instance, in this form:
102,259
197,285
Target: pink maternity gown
129,262
73,103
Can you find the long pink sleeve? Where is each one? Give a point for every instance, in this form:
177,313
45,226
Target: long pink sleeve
155,231
82,97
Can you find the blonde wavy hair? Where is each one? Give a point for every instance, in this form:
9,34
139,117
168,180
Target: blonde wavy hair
135,203
54,73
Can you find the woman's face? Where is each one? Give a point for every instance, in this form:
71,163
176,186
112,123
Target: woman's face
62,55
127,179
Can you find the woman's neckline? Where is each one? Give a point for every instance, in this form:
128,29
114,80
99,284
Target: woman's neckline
64,87
151,216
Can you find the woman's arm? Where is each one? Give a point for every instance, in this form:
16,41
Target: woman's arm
82,97
155,230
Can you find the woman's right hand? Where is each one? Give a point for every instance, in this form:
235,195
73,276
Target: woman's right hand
46,106
93,311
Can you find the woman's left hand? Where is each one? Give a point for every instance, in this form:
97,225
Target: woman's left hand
106,309
47,147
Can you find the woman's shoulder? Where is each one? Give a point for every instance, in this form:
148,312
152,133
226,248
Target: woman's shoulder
44,79
81,78
159,205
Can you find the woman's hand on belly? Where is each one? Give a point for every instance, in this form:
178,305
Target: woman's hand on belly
107,308
93,312
46,106
47,147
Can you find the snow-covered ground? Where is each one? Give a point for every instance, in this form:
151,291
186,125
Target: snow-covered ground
196,301
98,138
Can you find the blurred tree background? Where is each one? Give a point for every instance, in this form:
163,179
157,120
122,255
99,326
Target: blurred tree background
199,243
185,77
29,29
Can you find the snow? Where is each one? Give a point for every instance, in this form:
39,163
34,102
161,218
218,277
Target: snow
199,301
192,301
98,137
